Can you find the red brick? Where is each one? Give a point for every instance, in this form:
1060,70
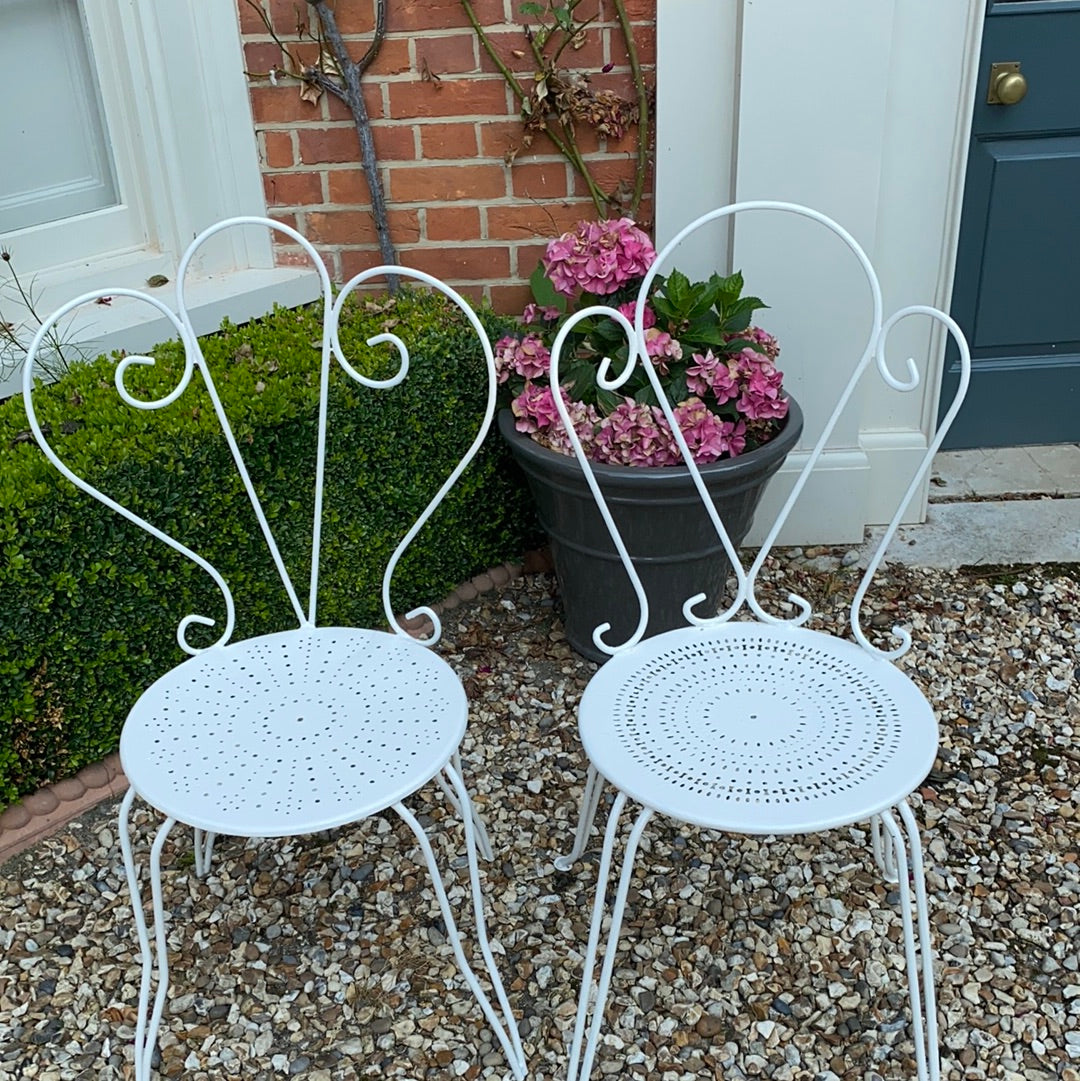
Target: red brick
449,140
452,223
280,105
640,10
462,263
287,256
318,145
526,257
373,102
293,189
448,97
523,220
510,299
538,180
279,149
287,15
447,55
250,22
260,57
501,137
348,187
507,45
440,14
355,17
435,183
339,227
391,59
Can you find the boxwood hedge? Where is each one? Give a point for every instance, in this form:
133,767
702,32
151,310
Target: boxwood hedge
91,603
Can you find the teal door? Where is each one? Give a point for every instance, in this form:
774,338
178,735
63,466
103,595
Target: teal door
1017,289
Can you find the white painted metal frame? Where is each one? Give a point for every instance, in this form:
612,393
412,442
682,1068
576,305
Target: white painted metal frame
220,790
638,707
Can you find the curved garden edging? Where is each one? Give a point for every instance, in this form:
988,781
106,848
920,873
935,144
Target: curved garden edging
49,809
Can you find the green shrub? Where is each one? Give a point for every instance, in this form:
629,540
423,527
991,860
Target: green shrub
92,602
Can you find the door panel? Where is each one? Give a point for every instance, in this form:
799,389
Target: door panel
1018,259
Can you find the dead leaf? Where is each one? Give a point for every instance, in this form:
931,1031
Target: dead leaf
106,301
311,92
155,281
260,386
427,75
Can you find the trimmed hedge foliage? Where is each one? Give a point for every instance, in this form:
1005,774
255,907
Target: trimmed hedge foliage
91,602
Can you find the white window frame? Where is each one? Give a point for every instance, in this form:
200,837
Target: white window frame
176,101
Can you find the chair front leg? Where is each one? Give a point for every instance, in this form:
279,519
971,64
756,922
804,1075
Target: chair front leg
883,854
204,852
611,947
590,801
923,1006
505,1028
146,1029
483,843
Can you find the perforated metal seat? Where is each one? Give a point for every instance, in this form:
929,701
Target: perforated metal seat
760,727
757,729
294,732
305,729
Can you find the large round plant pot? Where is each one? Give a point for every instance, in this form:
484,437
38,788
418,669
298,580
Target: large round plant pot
669,536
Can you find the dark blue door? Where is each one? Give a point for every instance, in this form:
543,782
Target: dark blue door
1017,290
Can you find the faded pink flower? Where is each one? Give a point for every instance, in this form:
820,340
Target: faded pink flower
703,431
598,257
535,408
636,434
763,341
762,388
648,316
712,373
527,356
659,343
584,419
539,313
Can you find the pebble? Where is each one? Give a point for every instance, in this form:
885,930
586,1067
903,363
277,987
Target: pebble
325,957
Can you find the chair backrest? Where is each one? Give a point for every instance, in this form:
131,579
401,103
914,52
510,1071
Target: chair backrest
330,348
745,596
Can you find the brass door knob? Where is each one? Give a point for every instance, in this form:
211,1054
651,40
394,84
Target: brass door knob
1007,85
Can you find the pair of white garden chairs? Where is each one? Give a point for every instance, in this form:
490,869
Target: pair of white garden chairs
760,727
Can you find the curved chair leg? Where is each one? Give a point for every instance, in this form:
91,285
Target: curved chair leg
590,801
505,1029
923,1024
883,854
483,844
610,949
146,1029
204,852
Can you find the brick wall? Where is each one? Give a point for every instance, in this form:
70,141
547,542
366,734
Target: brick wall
443,122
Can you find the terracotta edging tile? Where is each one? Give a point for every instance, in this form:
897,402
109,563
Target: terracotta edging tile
49,809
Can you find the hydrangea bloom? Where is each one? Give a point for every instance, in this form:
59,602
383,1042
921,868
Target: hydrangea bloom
527,356
539,313
710,373
598,257
648,316
636,434
762,388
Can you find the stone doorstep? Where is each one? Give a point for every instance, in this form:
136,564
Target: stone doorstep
48,810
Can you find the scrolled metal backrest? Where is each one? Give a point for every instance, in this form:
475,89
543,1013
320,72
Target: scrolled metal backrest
746,579
330,347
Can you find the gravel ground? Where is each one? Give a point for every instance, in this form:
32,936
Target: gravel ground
323,957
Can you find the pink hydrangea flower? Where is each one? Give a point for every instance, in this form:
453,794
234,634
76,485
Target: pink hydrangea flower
762,388
648,316
712,373
763,341
527,356
539,313
598,257
584,419
659,343
636,434
535,408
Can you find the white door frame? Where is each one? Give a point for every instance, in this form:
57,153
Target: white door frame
862,111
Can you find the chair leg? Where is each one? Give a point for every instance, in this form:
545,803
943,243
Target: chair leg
505,1028
146,1029
483,843
923,1024
204,852
611,947
883,854
590,801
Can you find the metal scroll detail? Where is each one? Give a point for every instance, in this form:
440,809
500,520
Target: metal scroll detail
193,359
746,579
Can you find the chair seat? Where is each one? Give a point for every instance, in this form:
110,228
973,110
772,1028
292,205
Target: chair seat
756,728
293,732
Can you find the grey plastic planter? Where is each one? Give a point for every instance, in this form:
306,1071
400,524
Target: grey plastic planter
669,536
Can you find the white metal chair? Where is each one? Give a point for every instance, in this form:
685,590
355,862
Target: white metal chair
298,731
758,725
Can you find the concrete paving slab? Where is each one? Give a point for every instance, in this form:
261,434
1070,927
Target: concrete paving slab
986,533
1002,471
